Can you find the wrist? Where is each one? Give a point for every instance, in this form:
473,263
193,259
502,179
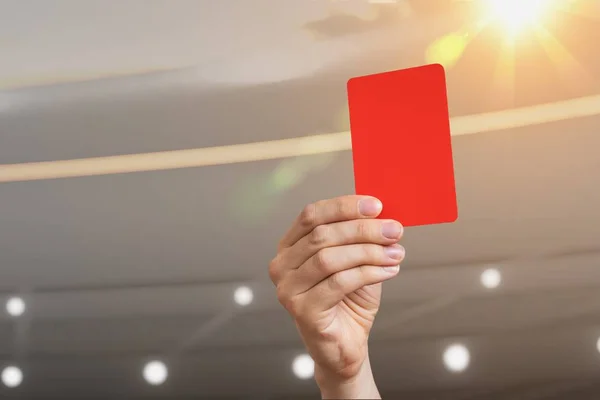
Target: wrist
360,386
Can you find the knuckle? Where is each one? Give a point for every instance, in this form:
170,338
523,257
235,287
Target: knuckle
318,237
308,216
274,269
336,282
371,253
362,229
281,295
363,273
344,209
292,305
323,261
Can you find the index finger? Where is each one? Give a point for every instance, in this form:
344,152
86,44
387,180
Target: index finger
323,212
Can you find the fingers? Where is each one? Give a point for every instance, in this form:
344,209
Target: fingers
331,291
382,232
329,211
333,260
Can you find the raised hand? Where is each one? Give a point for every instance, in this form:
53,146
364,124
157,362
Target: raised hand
328,272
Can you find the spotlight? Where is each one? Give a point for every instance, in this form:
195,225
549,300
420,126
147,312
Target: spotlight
155,373
598,345
12,376
15,306
243,296
303,367
456,358
491,278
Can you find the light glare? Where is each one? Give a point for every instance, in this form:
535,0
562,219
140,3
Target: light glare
517,14
303,367
15,306
12,376
243,296
491,278
155,373
456,358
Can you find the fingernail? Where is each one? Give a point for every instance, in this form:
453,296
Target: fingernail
370,207
391,230
392,270
395,252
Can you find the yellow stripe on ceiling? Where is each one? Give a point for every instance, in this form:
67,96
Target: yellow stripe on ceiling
277,149
20,82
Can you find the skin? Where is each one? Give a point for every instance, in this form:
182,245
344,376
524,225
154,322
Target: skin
328,272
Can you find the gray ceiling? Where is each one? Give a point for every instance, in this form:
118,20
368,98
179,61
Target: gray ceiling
117,269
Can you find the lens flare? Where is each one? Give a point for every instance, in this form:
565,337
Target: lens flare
448,49
516,15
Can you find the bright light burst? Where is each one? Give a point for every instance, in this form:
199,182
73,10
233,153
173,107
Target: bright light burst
516,15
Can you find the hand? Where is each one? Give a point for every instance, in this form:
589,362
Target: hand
328,272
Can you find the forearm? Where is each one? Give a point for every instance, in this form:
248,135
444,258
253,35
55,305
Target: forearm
362,386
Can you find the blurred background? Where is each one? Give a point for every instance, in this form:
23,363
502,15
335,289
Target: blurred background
152,152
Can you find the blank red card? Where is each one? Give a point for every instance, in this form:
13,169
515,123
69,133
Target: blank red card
401,144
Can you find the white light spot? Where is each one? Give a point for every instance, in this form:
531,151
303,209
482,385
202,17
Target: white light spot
598,345
303,367
517,14
243,296
12,376
15,306
491,278
155,373
456,358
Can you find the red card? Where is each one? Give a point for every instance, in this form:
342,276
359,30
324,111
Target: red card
401,144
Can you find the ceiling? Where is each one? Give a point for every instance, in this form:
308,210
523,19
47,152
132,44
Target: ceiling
118,269
235,42
69,39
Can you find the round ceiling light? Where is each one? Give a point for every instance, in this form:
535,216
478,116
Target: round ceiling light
15,306
456,358
303,367
243,296
12,376
155,373
491,278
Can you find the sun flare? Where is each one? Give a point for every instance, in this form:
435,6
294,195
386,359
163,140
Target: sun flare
516,15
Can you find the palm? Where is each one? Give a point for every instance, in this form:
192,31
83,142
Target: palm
348,325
